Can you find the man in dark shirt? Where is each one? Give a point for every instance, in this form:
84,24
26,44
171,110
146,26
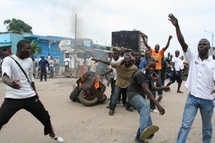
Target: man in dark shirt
43,64
140,86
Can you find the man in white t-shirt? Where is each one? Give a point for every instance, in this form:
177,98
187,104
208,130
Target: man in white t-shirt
93,67
176,71
200,83
67,62
21,92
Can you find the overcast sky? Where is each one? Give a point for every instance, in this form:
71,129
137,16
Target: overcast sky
96,19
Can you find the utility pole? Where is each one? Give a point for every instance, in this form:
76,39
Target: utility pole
75,48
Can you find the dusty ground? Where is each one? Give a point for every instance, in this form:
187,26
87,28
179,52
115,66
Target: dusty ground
77,123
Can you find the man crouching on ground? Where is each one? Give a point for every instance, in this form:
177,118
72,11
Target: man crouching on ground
141,84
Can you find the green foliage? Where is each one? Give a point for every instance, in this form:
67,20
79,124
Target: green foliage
35,48
17,25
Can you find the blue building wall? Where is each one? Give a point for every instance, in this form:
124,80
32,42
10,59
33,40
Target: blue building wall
10,39
49,44
51,49
15,38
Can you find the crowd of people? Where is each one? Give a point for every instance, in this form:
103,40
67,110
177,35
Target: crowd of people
134,80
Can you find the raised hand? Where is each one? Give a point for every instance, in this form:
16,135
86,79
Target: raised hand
173,19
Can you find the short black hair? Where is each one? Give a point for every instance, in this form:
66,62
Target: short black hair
21,43
151,60
127,55
116,51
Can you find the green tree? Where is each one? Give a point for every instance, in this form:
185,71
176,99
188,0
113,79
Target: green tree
17,25
35,48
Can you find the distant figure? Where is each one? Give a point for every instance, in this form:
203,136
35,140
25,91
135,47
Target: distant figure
93,67
43,64
34,62
176,74
88,63
56,65
80,66
51,66
49,57
67,62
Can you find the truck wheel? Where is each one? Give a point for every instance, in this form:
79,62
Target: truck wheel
87,98
74,94
83,78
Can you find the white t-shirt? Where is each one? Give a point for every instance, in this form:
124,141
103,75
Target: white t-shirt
93,65
10,67
67,61
114,70
181,64
176,61
201,76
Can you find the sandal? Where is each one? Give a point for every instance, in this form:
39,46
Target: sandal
57,138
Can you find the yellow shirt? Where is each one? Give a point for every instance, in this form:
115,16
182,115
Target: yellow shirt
158,57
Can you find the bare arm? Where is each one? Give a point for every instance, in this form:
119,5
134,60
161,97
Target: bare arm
33,86
107,72
13,84
168,42
144,41
151,97
102,61
213,90
178,32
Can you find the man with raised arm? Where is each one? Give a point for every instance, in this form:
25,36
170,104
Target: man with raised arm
200,83
157,54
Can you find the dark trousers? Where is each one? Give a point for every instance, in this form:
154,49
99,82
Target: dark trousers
43,73
114,98
33,105
158,82
112,84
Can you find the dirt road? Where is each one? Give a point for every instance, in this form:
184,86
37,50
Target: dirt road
77,123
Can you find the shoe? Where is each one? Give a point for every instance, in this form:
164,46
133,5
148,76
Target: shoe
141,141
154,110
179,92
148,132
57,138
108,106
129,109
111,113
159,98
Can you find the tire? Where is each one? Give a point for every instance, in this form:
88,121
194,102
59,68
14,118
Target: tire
85,101
74,94
83,78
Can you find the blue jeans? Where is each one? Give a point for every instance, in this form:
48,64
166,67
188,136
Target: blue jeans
159,82
116,92
190,111
51,71
152,104
143,109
